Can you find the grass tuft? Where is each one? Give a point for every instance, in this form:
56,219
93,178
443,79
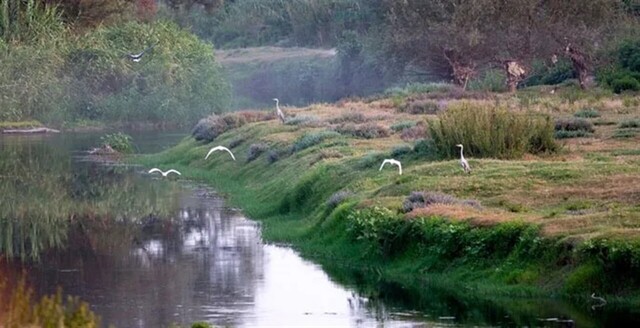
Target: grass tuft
487,131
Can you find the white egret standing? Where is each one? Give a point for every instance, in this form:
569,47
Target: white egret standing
164,174
392,162
278,111
463,162
220,148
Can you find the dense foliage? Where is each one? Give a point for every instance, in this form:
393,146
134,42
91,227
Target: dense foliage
624,74
54,74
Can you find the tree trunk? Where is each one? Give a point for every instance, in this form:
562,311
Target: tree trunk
461,71
580,65
515,74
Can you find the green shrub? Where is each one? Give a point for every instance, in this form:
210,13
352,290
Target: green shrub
426,148
400,151
587,113
119,141
625,133
272,157
629,55
338,198
626,83
397,127
414,133
573,124
565,134
312,139
487,131
310,121
491,80
420,106
50,311
209,128
255,150
366,131
371,159
383,231
350,117
629,124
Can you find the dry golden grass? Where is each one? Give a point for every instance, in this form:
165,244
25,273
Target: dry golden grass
460,212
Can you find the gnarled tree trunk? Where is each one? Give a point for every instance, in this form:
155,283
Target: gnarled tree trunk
515,74
580,64
462,72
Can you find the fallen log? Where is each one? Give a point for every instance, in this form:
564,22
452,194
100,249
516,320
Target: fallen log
30,131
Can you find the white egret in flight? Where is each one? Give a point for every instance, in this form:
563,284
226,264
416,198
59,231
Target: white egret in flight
164,174
392,162
220,148
137,57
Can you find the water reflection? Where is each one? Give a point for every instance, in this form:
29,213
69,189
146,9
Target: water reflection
204,262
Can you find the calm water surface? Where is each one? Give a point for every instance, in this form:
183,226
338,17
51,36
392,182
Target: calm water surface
150,252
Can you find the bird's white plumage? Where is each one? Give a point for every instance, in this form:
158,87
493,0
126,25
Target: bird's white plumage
278,111
220,148
164,174
392,162
463,161
137,57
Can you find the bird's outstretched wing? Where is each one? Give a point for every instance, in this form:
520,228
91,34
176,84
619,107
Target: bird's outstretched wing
172,171
230,153
399,167
392,162
156,170
138,56
383,163
220,148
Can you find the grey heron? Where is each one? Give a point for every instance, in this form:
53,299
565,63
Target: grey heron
164,174
220,148
278,111
463,162
392,162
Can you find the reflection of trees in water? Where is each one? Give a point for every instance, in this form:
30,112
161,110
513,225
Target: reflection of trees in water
199,263
43,191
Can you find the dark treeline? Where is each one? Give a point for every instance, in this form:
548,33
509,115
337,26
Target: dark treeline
524,42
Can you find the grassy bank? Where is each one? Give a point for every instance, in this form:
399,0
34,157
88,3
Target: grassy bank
555,220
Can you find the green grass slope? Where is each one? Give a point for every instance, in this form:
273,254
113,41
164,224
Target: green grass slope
558,223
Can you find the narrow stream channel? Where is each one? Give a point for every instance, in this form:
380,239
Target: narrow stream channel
146,251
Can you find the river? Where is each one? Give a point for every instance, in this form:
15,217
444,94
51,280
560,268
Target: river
147,251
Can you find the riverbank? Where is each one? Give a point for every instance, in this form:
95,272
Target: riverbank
558,224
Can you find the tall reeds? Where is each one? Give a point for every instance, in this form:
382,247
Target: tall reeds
489,131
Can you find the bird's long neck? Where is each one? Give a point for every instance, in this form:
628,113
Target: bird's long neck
461,156
277,105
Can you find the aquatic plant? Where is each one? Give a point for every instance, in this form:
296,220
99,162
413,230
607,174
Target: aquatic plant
119,141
